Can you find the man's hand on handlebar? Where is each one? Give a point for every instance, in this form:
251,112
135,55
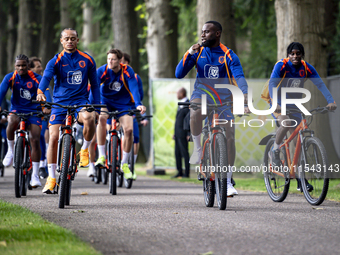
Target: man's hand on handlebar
46,111
41,97
141,108
331,106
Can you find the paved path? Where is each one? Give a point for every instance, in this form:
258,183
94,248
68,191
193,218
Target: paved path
164,217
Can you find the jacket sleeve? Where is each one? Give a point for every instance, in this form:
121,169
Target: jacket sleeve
275,78
94,83
185,65
133,86
237,72
47,77
4,86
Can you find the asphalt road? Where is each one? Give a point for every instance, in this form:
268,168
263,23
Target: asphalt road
164,217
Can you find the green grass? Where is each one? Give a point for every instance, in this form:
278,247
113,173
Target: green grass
24,232
251,183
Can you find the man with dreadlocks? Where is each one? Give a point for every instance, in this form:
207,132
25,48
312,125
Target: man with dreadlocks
24,85
294,70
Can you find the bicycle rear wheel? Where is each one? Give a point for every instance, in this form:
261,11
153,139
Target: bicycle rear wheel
104,175
64,170
2,155
277,185
19,179
208,185
113,156
68,192
221,161
314,171
131,162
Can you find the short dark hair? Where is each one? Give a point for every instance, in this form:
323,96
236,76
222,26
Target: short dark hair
127,57
68,28
296,46
118,53
22,57
216,24
32,60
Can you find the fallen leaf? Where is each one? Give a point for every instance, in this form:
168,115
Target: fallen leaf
208,253
78,211
3,243
84,193
175,212
29,223
317,208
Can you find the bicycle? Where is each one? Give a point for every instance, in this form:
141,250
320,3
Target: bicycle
22,154
3,150
66,152
214,162
113,150
310,159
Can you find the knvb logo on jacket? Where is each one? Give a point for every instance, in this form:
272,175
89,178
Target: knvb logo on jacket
24,93
115,86
211,72
74,77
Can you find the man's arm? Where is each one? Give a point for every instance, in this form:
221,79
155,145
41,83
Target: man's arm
275,78
237,72
187,62
318,82
140,87
47,77
4,86
133,86
94,83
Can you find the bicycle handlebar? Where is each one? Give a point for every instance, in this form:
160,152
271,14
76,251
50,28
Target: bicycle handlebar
115,113
314,111
38,114
50,104
208,105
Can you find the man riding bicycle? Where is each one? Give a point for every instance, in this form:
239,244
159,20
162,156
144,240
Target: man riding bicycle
71,70
119,91
24,85
216,64
292,72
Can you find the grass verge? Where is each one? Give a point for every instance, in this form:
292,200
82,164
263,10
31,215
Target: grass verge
24,232
245,182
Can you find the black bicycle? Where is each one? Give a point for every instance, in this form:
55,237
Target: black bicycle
214,161
3,151
66,153
22,154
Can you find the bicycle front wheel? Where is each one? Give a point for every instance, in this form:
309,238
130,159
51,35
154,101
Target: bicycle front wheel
208,184
314,172
113,156
277,182
19,179
64,170
221,162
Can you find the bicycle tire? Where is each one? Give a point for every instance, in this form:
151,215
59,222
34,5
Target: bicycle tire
68,192
277,186
18,160
3,150
113,157
97,177
104,176
64,169
221,160
208,185
318,178
131,162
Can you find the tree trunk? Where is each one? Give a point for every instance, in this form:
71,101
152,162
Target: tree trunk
49,17
303,21
3,37
124,24
65,18
25,32
222,12
161,39
12,19
90,30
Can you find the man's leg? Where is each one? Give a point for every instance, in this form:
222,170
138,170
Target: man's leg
178,158
101,136
92,151
196,119
184,153
13,122
274,154
35,132
127,124
52,158
88,120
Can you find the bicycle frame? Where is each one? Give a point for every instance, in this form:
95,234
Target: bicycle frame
22,132
113,132
67,130
299,131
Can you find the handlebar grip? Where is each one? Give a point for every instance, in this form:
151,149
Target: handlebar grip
183,103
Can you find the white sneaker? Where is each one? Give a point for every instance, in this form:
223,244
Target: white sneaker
231,190
91,172
196,157
35,182
8,160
